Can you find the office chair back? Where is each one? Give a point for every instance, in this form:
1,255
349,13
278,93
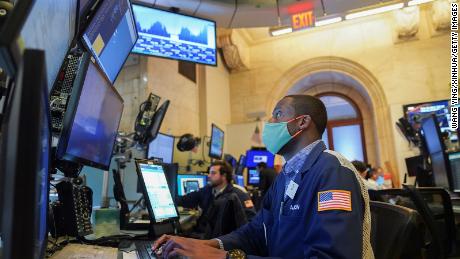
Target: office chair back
396,231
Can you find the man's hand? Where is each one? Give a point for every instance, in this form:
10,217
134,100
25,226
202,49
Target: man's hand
191,248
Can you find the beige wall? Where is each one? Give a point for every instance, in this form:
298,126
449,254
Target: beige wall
407,72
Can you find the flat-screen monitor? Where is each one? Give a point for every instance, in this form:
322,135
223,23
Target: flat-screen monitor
454,161
253,157
91,123
111,35
240,165
230,159
418,111
240,180
25,145
159,201
157,120
253,177
432,135
217,142
413,164
161,147
441,170
187,183
175,36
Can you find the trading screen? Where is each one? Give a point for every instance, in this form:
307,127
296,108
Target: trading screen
111,35
158,192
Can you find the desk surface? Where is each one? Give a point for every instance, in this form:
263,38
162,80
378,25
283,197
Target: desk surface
77,251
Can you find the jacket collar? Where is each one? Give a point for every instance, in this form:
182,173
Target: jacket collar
312,157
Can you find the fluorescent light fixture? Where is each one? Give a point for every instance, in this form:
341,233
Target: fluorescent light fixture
417,2
374,11
277,31
328,21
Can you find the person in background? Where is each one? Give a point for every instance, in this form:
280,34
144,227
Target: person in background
384,179
372,181
363,170
267,177
220,178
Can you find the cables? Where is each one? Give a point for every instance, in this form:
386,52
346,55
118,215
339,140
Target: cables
234,13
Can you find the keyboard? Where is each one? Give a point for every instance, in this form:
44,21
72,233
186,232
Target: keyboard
144,249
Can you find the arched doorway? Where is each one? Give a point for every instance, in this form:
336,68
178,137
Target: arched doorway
345,131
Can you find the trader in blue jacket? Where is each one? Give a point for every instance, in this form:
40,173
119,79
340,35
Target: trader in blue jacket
318,206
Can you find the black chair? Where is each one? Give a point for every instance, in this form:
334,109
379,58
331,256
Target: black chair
396,231
409,197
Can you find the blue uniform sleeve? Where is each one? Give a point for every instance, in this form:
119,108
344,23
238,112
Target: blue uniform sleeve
190,200
336,233
247,204
251,237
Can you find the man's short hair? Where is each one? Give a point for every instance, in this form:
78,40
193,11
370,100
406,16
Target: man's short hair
310,105
262,165
359,165
225,169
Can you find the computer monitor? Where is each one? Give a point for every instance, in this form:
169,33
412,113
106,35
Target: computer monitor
413,164
161,147
111,35
436,148
253,157
187,183
157,195
432,135
91,121
157,120
217,142
240,165
24,162
253,177
176,36
240,180
420,111
230,159
454,161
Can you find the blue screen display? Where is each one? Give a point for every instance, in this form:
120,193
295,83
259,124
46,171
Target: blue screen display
162,147
111,35
217,142
253,157
96,120
240,180
187,183
254,177
175,36
424,110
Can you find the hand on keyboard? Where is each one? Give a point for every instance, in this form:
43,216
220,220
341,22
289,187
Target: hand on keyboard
172,246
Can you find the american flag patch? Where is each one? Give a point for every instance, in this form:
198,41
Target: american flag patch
334,200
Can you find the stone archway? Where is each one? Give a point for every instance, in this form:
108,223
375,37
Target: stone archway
370,90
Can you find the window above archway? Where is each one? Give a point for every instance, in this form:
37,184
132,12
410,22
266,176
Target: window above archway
339,108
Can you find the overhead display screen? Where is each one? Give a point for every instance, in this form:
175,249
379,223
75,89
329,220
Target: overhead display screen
175,36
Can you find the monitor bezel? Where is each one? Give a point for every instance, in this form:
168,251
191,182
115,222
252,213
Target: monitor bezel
138,162
93,55
186,15
69,118
163,109
210,143
172,153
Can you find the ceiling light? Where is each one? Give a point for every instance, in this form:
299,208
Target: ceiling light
328,21
277,31
374,11
417,2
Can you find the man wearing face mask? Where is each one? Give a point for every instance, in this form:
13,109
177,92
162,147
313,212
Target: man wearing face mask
318,206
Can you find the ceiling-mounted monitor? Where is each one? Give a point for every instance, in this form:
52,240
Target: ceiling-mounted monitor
175,36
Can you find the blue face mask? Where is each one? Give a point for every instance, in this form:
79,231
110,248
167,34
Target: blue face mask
276,135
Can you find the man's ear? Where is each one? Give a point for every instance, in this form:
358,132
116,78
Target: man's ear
305,122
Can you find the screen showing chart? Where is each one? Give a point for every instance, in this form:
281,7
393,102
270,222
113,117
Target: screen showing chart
254,177
175,36
419,111
160,198
111,35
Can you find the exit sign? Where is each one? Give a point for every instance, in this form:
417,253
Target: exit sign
303,20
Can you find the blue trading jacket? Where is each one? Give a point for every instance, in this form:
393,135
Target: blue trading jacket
295,228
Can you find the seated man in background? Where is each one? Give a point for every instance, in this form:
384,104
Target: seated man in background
220,187
363,171
267,177
372,183
384,178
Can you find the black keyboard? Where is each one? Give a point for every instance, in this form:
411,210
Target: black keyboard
144,249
